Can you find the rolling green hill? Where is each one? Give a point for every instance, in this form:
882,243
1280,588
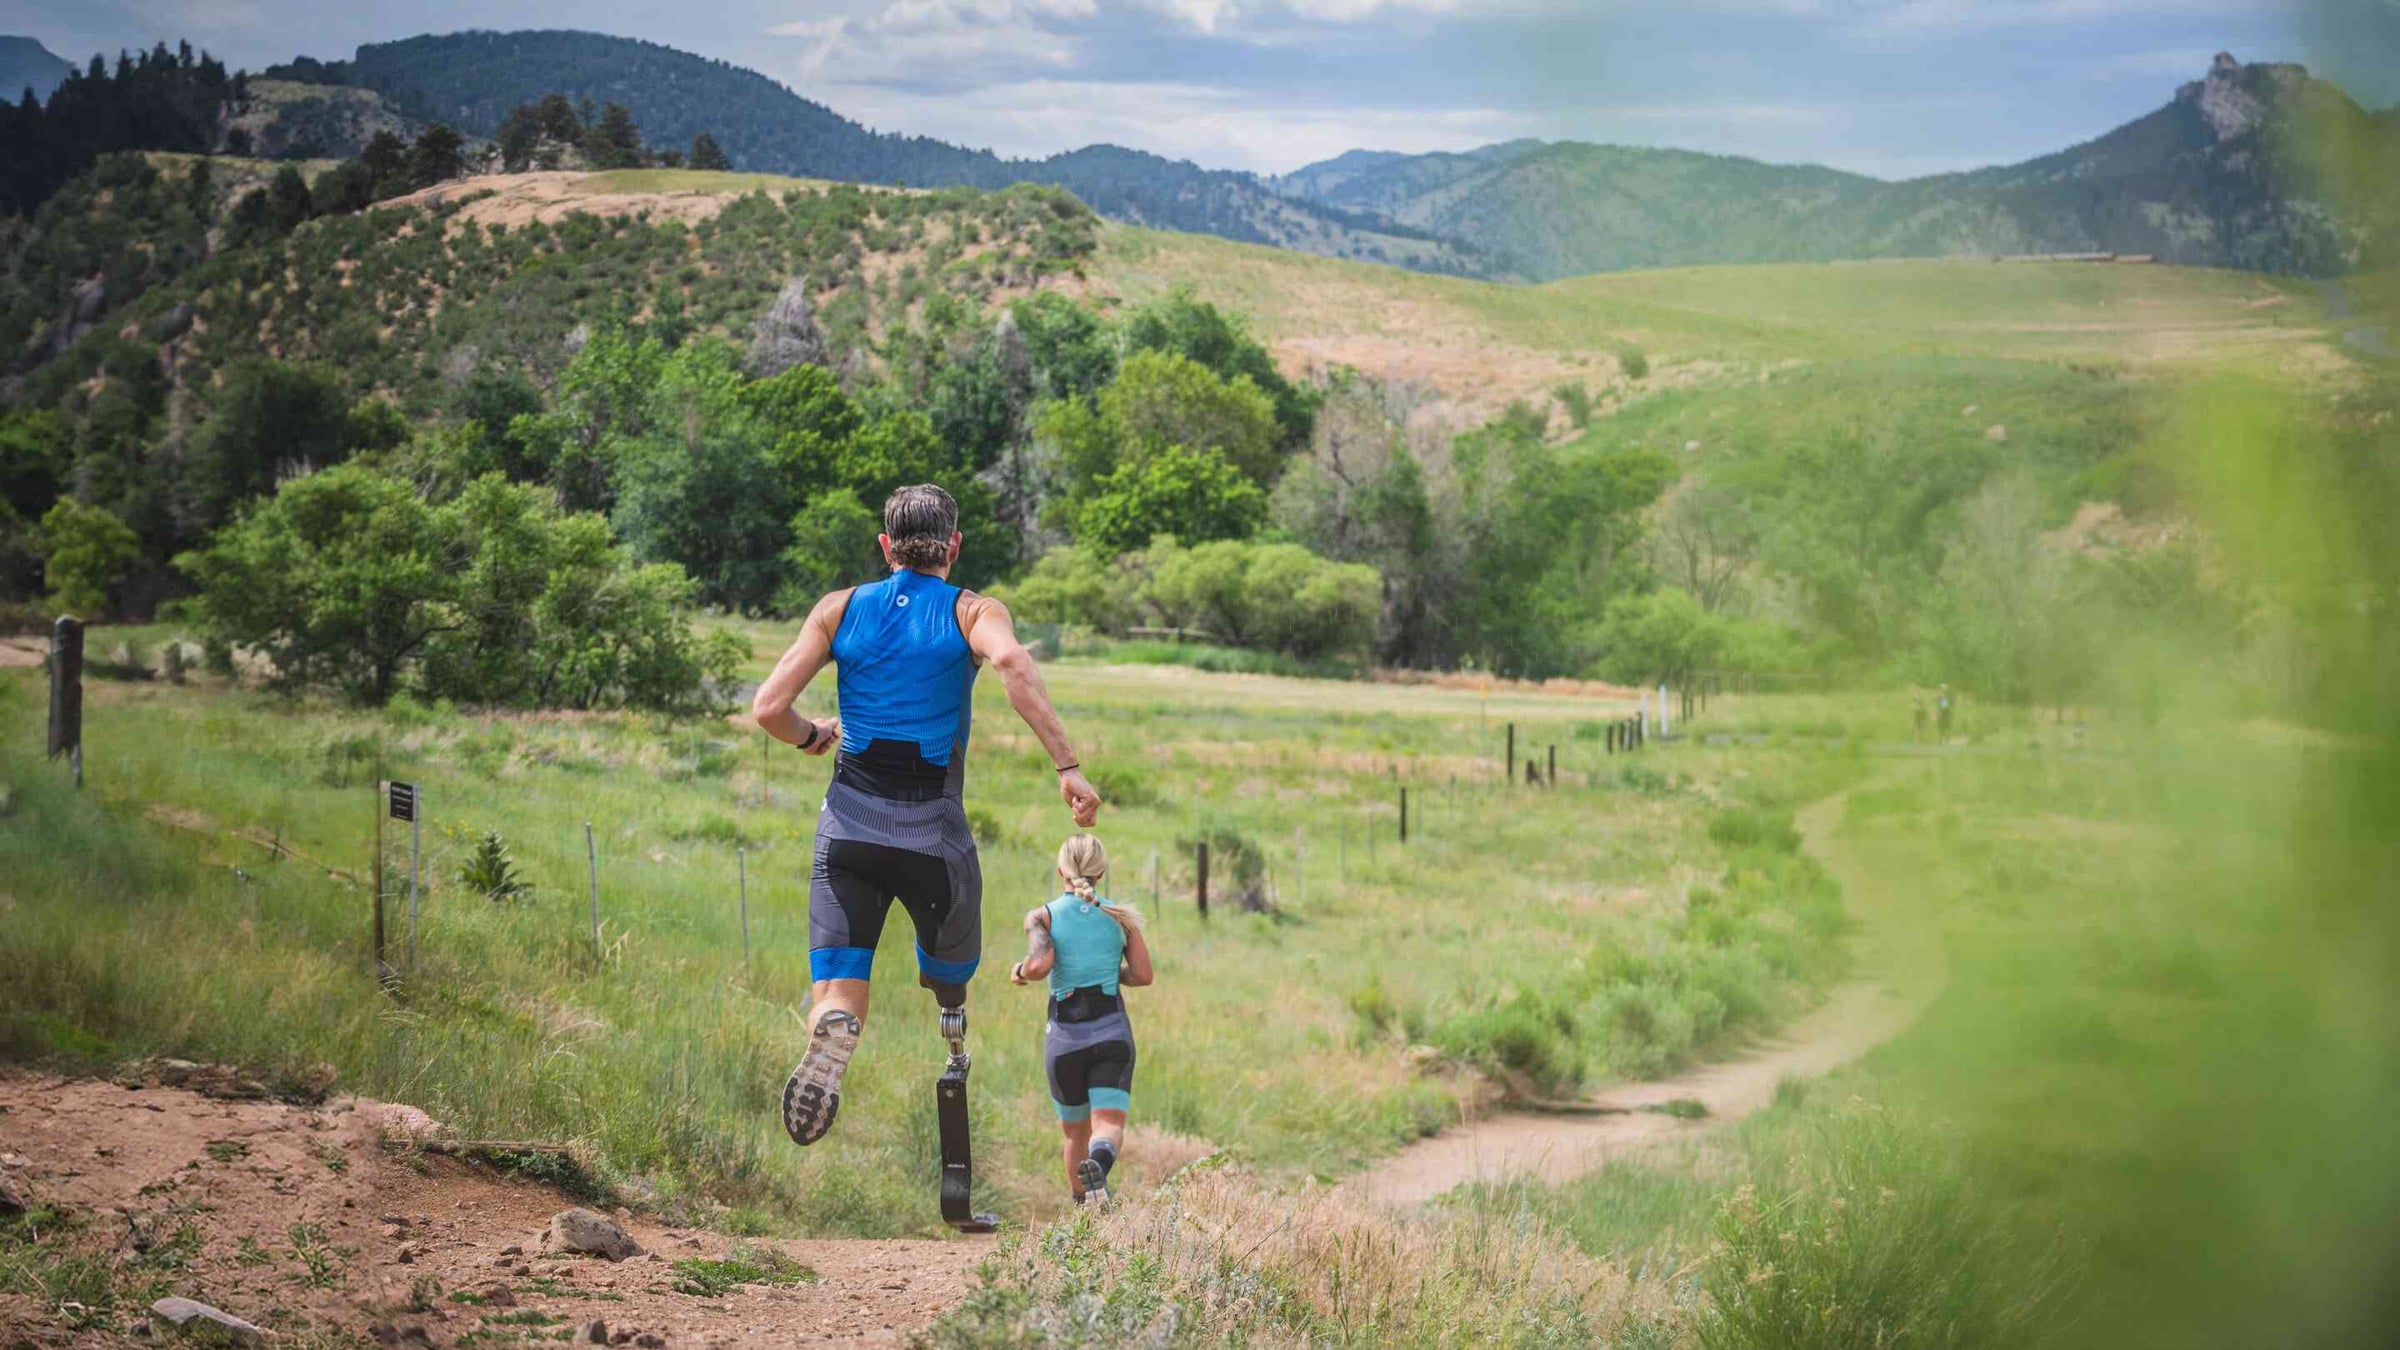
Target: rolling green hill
2224,175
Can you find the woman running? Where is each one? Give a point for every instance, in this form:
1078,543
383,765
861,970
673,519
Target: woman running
1088,947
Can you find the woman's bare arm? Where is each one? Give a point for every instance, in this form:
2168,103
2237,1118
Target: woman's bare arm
1136,971
1040,954
809,652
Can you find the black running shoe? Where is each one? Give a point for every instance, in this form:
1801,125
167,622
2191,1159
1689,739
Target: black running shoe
1095,1181
814,1095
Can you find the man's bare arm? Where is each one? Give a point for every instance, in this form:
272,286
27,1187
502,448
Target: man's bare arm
809,652
993,638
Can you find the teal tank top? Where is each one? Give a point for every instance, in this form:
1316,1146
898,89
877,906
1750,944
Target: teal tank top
1090,947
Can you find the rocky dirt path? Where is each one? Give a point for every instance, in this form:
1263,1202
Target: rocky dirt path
1898,968
305,1222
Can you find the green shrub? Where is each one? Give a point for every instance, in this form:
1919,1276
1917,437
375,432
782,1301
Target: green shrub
490,872
1527,1043
1752,828
1374,1012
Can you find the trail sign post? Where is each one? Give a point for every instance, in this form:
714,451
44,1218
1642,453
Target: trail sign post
591,853
383,971
66,692
404,807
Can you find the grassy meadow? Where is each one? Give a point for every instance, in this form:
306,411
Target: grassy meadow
2142,1112
2153,319
1627,920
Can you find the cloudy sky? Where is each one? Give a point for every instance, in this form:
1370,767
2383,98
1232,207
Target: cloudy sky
1888,87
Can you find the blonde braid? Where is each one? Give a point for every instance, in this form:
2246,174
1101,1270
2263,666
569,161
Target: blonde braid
1082,861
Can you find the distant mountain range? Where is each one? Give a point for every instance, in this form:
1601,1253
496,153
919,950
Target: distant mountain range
2228,173
2225,174
27,64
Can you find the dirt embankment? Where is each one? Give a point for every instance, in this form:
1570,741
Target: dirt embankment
308,1222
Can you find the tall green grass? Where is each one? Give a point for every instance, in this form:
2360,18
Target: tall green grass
147,916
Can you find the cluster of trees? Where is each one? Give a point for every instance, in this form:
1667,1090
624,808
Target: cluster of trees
358,579
556,132
1244,592
158,100
386,167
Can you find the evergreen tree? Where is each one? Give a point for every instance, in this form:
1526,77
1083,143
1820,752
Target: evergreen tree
519,133
616,143
436,157
706,154
384,159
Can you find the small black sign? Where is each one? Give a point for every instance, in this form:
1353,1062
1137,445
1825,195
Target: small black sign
404,801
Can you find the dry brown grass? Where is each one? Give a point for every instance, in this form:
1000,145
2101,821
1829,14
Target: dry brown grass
1220,1258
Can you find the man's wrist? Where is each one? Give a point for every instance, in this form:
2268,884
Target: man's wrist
1069,767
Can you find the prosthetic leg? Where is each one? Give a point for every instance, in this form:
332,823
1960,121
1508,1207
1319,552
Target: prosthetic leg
950,1110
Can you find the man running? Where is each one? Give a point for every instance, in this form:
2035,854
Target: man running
906,651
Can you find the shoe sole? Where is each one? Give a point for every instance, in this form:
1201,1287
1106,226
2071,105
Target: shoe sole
1095,1182
813,1095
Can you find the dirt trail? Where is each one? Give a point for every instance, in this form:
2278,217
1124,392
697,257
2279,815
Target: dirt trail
305,1220
1899,966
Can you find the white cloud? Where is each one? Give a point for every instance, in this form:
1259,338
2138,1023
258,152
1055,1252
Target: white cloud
1215,127
1956,18
952,40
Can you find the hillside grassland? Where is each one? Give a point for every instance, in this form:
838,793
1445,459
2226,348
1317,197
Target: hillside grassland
2117,1117
153,920
2140,1108
2154,319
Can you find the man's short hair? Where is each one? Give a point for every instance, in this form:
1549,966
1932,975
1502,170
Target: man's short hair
920,521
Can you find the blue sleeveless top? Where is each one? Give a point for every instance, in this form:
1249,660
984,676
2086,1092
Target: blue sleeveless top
903,671
1089,944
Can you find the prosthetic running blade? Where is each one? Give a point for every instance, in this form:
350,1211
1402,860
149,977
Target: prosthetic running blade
950,1110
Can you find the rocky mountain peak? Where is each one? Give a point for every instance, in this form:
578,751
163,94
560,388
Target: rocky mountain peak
2235,98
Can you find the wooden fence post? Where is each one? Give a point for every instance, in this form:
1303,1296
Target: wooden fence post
1203,889
1554,766
66,692
1508,762
1404,815
375,876
591,853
